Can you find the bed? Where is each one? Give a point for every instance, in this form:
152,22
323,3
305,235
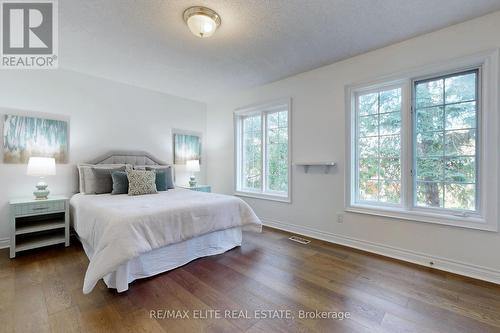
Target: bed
132,237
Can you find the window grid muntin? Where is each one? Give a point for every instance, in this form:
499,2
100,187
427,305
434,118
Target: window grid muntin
379,180
267,147
244,155
262,114
444,157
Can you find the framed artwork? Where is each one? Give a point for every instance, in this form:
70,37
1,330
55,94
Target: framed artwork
25,136
186,147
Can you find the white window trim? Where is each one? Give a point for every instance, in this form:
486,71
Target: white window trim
404,91
489,163
253,109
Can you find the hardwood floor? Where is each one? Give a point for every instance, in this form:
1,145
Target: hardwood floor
40,291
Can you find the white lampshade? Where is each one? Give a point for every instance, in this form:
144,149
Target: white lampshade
41,166
193,165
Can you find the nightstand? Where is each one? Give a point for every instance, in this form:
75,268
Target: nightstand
199,188
38,223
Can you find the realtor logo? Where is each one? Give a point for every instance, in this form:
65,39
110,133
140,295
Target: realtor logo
29,34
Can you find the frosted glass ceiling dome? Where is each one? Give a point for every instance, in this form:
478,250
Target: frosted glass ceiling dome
202,21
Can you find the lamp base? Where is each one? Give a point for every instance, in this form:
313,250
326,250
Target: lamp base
192,181
41,192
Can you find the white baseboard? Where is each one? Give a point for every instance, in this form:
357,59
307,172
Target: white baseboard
4,242
452,266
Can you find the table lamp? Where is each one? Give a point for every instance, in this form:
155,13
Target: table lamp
41,167
193,166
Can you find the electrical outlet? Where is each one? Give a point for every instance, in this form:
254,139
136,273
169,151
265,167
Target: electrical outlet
340,218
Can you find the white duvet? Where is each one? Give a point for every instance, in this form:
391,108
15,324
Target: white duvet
117,228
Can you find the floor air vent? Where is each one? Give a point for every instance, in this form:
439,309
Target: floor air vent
299,240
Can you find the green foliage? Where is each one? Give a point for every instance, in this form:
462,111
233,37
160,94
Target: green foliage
445,143
277,152
379,146
446,121
252,153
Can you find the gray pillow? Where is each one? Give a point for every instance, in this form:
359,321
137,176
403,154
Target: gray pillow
83,166
168,174
98,180
141,182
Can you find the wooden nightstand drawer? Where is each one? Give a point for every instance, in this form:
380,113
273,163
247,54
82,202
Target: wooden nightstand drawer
37,208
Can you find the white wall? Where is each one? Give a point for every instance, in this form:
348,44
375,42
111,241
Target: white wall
318,134
103,115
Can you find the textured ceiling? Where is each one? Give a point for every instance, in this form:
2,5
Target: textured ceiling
146,43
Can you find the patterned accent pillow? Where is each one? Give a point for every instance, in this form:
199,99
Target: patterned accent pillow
141,182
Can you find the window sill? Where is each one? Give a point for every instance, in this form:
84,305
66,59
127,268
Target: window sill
469,222
263,196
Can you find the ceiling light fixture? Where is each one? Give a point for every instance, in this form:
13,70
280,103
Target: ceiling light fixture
202,21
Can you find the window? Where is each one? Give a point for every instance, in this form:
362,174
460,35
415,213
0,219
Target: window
445,126
262,151
379,146
252,153
423,145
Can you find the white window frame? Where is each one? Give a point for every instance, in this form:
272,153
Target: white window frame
478,139
488,170
261,109
372,89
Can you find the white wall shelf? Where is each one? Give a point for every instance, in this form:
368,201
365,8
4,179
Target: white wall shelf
307,165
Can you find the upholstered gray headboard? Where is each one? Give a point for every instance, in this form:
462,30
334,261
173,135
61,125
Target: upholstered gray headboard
134,157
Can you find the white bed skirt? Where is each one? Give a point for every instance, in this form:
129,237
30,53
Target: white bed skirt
172,256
